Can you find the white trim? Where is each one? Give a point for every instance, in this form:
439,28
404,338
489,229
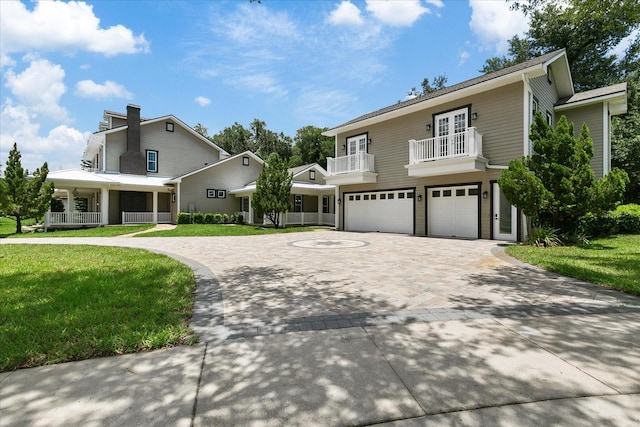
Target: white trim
528,110
606,140
497,167
594,100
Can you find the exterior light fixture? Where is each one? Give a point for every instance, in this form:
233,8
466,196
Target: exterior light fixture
428,127
339,201
474,116
419,197
485,194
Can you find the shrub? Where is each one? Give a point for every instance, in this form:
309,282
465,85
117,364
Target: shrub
225,218
198,218
630,208
628,223
239,219
208,218
236,218
545,237
217,218
184,218
624,220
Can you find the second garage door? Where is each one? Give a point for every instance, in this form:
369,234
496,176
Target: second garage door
388,211
453,211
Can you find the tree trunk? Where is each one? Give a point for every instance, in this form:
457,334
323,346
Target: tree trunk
18,225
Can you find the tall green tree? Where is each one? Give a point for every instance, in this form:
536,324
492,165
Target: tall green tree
233,139
273,189
555,186
266,141
311,146
625,139
24,196
439,82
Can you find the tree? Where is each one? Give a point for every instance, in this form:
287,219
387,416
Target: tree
266,141
24,196
311,146
555,186
273,189
625,140
234,139
439,82
201,130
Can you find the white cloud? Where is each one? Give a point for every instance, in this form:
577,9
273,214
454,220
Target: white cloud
346,13
109,89
397,13
263,83
252,24
436,3
60,26
324,107
463,55
494,24
40,87
202,101
61,148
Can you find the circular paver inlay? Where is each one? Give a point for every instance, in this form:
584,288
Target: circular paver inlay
329,244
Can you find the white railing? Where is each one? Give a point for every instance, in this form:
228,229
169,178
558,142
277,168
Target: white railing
361,162
72,218
145,217
245,217
309,218
467,143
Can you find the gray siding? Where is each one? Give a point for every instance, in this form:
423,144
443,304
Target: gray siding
116,144
591,115
226,176
545,93
304,177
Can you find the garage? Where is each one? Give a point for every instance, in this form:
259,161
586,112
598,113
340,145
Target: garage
453,211
388,211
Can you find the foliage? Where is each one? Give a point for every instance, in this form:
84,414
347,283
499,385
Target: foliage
201,129
234,139
192,230
545,237
258,139
225,218
625,139
311,147
631,208
63,302
439,82
611,262
588,29
624,220
57,205
24,196
237,219
184,218
555,185
197,218
273,190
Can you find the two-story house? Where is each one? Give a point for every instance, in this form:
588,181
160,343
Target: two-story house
428,166
139,170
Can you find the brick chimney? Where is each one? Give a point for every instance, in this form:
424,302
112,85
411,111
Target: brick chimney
133,160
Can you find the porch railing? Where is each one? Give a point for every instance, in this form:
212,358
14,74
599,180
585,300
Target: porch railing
72,218
467,143
309,218
361,162
145,217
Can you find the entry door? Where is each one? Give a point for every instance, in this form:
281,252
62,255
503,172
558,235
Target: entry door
504,216
451,132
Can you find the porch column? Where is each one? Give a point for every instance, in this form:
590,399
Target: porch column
104,206
337,207
155,207
250,219
320,219
70,201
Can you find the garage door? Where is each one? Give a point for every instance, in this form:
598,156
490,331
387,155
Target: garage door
453,211
388,211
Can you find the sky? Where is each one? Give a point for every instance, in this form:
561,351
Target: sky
288,63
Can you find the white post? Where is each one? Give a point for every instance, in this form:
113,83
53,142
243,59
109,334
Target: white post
338,207
104,206
250,219
155,207
320,219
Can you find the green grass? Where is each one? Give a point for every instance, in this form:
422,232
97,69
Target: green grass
191,230
70,302
8,225
612,261
108,231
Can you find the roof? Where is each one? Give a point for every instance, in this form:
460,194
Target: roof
212,165
296,187
295,171
514,69
81,177
594,95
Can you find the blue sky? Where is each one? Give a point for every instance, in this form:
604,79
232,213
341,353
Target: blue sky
288,63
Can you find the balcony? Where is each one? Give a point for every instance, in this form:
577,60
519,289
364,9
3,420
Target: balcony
352,169
444,155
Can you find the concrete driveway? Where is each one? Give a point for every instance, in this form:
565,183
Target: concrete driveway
335,328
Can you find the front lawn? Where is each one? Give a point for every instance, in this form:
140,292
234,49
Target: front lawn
8,225
612,261
70,302
192,230
108,231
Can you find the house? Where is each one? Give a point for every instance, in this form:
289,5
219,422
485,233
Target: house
140,170
428,166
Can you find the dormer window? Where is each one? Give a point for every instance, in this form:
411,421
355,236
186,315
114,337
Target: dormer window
152,161
168,126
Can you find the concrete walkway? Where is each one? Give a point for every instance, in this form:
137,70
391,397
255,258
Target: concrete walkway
333,328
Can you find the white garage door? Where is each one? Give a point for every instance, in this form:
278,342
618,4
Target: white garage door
453,211
389,211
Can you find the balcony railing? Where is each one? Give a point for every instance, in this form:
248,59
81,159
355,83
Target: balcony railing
309,218
361,162
467,143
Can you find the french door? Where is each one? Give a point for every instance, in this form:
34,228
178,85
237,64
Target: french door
504,216
451,132
356,145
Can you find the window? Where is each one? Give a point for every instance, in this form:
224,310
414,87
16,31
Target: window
410,195
535,106
366,197
245,204
473,192
221,194
446,193
357,144
390,196
297,202
435,193
549,119
325,204
350,197
211,193
461,193
312,175
374,196
400,195
358,197
152,161
245,161
383,196
168,126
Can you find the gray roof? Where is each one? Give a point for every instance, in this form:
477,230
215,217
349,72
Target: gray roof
594,93
297,169
468,83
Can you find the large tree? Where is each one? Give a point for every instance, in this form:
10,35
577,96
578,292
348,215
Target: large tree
24,196
439,82
233,139
273,189
625,139
311,146
258,139
555,186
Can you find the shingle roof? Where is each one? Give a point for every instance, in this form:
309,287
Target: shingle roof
594,93
463,85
